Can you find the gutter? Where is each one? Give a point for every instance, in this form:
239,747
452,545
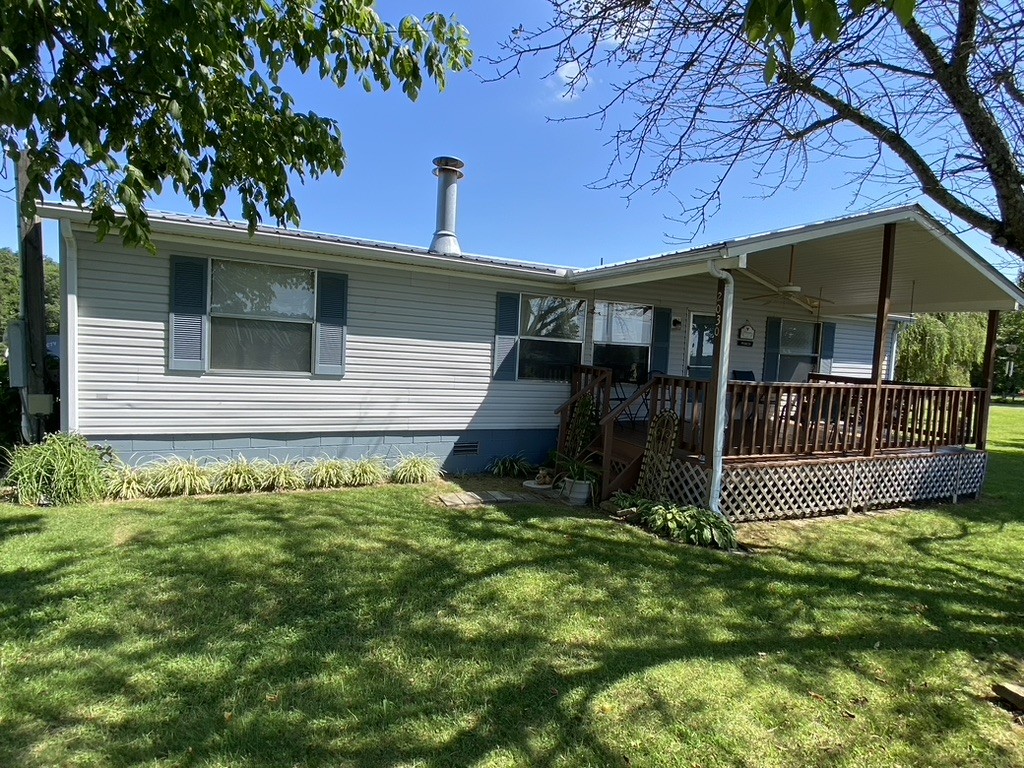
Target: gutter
722,381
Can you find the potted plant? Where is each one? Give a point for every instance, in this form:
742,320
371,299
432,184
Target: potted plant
577,479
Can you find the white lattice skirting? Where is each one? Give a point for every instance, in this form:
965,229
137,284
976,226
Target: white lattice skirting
791,489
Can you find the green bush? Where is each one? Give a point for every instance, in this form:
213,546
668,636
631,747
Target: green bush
126,483
417,469
694,525
283,476
62,469
177,477
371,471
328,473
240,476
514,465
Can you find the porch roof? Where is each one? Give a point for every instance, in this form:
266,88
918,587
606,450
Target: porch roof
934,270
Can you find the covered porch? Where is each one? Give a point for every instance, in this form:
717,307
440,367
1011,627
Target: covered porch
830,443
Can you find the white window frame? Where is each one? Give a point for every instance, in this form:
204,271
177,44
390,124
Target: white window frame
210,315
520,336
595,343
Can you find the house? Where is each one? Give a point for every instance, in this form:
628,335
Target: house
291,344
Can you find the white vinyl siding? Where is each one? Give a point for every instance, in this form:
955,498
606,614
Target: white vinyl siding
419,352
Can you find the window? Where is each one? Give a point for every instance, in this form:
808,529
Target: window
622,339
796,348
702,347
261,317
242,316
537,337
550,336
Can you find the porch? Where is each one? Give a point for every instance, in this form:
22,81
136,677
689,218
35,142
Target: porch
825,446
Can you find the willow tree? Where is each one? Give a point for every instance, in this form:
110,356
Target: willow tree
112,102
926,99
943,348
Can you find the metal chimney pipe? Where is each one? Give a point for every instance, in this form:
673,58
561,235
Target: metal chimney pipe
448,171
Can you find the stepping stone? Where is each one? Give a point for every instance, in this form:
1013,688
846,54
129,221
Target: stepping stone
498,497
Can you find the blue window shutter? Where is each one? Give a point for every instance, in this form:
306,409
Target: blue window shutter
188,323
506,337
661,338
828,347
772,342
331,327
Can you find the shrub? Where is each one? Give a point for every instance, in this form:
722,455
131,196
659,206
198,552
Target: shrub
514,465
693,525
417,469
283,476
178,477
328,473
367,472
240,476
125,483
62,469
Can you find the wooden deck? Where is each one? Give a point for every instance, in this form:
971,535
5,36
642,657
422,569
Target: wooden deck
816,442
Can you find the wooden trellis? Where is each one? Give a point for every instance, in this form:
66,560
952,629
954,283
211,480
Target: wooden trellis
654,471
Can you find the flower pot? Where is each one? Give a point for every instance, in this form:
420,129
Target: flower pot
577,492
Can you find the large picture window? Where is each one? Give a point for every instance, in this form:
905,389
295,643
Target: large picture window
550,336
622,339
261,317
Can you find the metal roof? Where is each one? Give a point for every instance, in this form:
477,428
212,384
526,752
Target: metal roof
731,253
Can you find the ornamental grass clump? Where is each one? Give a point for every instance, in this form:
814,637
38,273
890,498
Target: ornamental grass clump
328,473
283,476
178,477
125,483
368,471
416,469
514,465
240,475
62,469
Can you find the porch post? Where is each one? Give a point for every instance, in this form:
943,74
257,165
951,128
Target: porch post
716,414
881,322
989,375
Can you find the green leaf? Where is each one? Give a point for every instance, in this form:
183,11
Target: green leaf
904,10
771,66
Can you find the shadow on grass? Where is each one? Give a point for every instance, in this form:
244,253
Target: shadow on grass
368,629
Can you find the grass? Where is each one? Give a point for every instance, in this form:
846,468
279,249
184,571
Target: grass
369,628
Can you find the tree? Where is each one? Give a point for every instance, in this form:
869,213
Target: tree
945,348
1010,352
929,102
113,101
10,291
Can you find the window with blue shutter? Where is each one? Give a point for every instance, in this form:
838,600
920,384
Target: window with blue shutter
331,323
188,321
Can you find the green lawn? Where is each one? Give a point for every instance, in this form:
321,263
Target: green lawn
370,628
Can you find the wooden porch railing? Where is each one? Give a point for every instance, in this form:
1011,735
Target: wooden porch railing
769,420
587,380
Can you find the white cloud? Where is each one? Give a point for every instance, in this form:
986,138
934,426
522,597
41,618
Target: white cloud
568,81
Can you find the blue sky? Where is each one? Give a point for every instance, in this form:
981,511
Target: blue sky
525,194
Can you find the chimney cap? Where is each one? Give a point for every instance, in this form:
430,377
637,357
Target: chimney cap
449,163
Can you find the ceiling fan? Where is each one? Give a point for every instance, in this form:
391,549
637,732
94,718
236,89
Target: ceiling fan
790,290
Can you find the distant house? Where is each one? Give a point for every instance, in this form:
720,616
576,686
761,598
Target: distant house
292,344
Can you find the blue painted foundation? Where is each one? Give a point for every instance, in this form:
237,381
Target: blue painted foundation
534,444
